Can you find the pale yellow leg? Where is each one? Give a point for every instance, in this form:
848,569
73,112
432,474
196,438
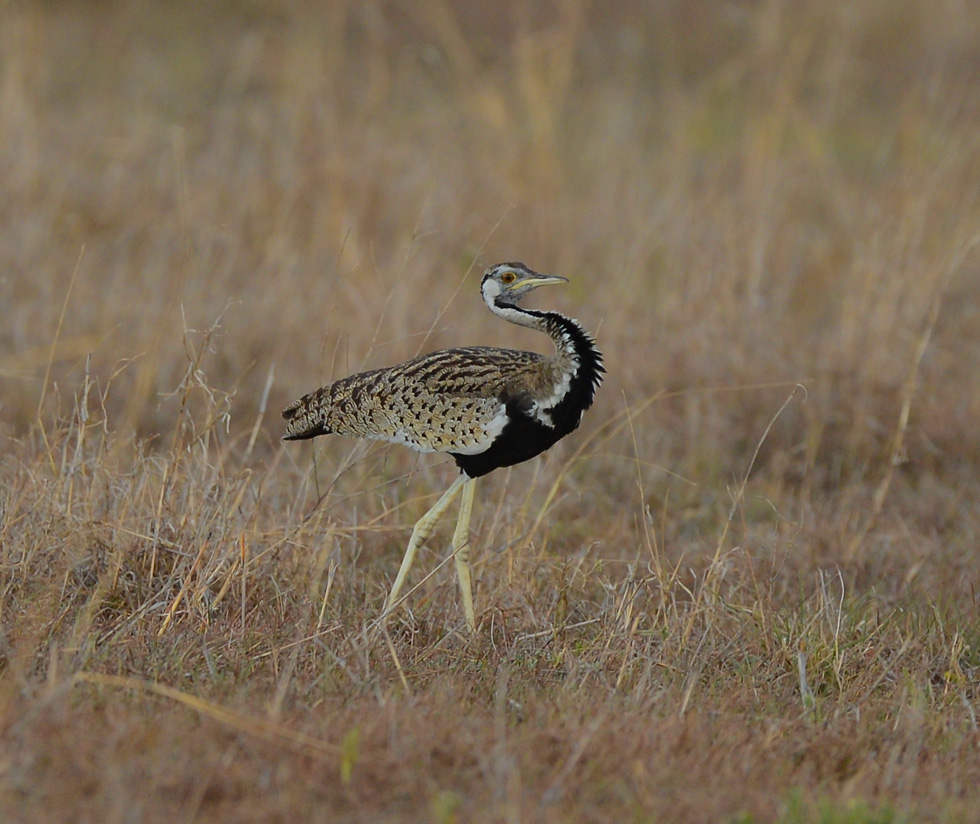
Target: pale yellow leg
461,552
423,529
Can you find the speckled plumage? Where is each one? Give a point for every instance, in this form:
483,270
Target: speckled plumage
486,407
441,402
464,401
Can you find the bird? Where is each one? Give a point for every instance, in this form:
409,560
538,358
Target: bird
486,407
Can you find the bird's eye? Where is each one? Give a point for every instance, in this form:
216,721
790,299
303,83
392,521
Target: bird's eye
508,277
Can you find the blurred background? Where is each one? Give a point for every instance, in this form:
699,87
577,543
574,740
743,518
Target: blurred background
210,208
742,194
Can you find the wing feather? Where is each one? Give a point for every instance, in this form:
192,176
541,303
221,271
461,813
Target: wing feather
454,400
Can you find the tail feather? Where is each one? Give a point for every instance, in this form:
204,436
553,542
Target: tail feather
305,419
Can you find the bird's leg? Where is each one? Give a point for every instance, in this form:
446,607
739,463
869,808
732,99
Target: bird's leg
461,551
423,529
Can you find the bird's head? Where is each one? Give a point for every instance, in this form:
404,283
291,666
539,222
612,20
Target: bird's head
506,283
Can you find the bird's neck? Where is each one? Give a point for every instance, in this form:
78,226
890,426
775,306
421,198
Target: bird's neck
577,351
554,325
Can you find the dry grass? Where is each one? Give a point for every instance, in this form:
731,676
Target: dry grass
207,209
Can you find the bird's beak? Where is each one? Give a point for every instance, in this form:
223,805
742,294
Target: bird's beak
537,280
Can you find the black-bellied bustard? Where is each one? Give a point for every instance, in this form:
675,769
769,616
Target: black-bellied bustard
486,407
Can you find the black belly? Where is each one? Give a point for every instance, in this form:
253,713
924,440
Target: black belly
520,440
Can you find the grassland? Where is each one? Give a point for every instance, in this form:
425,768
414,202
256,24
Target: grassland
744,591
